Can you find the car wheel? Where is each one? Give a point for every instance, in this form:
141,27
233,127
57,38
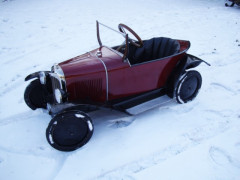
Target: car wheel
69,130
188,86
35,95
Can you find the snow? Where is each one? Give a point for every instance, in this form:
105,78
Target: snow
197,140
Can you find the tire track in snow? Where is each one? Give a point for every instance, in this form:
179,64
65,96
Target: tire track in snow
18,117
38,152
184,142
218,85
58,157
38,49
221,157
1,160
15,83
59,165
17,80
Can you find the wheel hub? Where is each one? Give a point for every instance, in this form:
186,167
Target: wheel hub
189,87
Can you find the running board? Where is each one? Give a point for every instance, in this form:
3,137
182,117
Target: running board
146,99
160,101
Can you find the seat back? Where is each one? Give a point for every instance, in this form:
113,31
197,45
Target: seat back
152,49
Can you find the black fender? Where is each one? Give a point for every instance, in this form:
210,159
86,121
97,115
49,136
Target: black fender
46,87
193,61
35,75
187,62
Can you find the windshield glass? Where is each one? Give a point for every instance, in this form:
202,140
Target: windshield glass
110,37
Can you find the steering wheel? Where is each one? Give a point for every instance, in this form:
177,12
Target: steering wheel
138,44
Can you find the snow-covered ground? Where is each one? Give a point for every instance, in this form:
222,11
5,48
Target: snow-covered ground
197,140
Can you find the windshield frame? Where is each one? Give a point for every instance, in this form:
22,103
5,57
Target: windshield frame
125,35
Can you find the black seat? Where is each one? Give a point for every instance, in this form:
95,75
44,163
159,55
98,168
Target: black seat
152,49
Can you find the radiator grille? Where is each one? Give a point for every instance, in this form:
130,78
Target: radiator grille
88,89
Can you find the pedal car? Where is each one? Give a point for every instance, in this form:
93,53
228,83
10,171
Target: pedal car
120,77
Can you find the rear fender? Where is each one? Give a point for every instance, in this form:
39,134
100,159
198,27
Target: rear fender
193,61
187,62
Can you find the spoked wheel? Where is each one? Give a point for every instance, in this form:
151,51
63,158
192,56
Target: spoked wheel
69,130
35,95
188,86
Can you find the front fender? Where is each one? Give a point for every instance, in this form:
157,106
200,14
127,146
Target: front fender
35,75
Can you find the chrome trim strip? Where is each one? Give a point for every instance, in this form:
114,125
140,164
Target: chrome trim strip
57,70
105,67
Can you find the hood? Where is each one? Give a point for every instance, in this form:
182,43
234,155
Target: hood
88,63
81,65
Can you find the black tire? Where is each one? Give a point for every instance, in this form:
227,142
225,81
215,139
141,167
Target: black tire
69,130
188,86
35,95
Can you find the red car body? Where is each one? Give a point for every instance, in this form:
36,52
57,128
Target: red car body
106,78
